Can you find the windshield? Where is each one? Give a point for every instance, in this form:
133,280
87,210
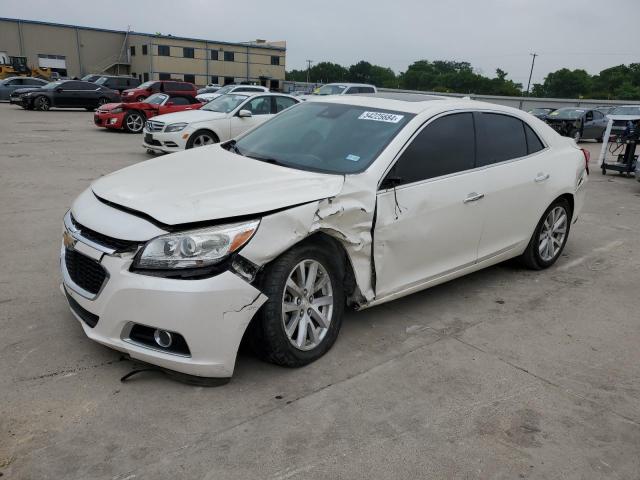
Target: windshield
87,78
225,103
101,80
567,113
156,98
324,137
146,85
52,85
631,110
226,89
330,90
540,111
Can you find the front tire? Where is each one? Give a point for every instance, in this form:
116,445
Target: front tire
42,103
133,122
302,317
202,138
550,236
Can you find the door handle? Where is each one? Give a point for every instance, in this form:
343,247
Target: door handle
473,197
542,177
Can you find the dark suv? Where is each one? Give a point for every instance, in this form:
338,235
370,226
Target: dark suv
141,92
117,83
69,94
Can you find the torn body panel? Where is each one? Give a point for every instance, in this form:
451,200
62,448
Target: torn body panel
348,218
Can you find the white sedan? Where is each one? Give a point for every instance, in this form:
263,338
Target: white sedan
339,202
207,97
219,120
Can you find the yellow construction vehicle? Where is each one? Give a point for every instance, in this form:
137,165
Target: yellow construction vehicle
17,67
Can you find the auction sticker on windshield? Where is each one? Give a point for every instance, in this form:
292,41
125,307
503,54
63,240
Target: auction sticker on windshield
381,117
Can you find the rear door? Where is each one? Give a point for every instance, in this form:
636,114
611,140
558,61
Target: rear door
518,169
430,207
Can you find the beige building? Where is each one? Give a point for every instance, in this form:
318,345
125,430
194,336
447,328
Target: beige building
76,51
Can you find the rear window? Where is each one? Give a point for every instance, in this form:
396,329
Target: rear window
500,138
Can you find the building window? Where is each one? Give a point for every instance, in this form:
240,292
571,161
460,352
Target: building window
214,79
144,49
145,76
164,50
229,57
275,60
164,76
187,52
229,80
214,54
189,78
132,50
274,85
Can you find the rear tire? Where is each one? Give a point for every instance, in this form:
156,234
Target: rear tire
550,236
133,122
301,319
202,138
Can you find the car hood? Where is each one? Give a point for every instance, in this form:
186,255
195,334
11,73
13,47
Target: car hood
208,96
107,107
210,183
190,116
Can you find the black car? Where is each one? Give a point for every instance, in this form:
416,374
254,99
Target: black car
118,83
541,112
69,94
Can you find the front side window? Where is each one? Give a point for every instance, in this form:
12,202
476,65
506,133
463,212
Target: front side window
225,103
164,50
443,147
259,106
324,137
229,56
500,138
179,101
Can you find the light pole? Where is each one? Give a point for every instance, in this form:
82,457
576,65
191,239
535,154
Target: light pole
308,68
533,62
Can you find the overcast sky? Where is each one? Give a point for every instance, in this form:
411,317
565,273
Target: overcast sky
584,34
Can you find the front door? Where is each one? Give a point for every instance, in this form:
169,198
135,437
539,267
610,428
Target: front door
430,207
260,108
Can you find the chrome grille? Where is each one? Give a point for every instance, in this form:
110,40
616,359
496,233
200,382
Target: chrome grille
154,126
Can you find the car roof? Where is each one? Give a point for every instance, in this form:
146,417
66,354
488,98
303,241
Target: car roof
347,84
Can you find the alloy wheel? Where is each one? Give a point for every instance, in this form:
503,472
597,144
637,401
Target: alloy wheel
552,234
42,103
307,305
135,122
202,140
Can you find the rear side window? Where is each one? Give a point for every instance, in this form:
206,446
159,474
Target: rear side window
500,138
533,141
445,146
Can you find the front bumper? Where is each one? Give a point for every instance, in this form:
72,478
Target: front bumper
211,314
165,142
108,120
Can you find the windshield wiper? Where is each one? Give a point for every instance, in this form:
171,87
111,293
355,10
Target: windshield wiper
266,159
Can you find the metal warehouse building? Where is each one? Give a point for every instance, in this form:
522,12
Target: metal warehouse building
76,51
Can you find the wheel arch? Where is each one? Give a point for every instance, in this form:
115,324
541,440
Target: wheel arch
189,143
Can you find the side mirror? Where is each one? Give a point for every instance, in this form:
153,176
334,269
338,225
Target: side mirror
149,89
391,180
245,113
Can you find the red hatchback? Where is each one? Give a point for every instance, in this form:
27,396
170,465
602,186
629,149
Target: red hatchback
141,92
131,116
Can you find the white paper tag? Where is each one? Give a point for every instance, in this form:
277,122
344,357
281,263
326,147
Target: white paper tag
381,117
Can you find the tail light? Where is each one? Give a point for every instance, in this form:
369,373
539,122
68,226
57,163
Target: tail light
587,157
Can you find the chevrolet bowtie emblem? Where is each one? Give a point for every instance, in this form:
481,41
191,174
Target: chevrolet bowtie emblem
68,240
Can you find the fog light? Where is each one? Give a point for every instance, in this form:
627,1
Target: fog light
163,338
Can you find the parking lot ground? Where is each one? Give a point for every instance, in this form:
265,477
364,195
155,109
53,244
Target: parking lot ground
506,373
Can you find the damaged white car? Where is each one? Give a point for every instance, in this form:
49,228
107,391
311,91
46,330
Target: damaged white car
345,201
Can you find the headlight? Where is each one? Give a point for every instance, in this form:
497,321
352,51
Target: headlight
195,248
175,127
117,110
